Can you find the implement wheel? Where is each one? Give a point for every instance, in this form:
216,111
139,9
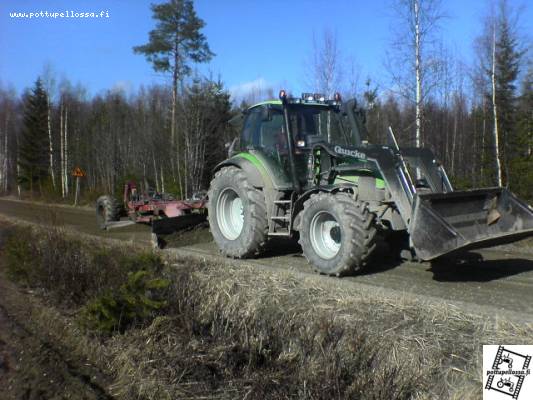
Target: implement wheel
107,210
237,214
337,233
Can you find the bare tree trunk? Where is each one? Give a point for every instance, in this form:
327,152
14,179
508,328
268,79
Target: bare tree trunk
157,187
162,180
4,173
173,111
51,144
483,132
418,118
475,161
49,83
174,139
65,177
454,140
62,150
495,109
18,180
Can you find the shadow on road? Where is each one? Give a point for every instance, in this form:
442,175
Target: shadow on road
472,268
282,247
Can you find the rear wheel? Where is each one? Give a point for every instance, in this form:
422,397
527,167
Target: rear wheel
237,214
107,210
337,233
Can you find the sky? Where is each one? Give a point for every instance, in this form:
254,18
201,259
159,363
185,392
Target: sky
265,42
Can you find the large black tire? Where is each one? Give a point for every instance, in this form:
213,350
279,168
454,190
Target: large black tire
107,210
337,234
237,214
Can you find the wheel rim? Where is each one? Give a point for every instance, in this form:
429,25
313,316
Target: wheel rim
325,235
230,214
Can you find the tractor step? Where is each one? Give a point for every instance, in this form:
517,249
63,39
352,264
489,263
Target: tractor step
278,234
281,218
280,224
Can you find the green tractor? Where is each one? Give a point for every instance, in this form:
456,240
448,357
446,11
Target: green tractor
303,168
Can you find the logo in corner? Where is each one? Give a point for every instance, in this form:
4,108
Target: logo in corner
506,372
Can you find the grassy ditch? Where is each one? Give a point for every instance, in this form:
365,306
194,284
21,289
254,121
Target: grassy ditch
166,329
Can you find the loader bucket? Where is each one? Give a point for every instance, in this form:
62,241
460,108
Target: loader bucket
443,223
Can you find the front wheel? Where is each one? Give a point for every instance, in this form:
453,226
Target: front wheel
337,233
237,214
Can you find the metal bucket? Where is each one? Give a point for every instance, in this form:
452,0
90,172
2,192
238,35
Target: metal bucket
443,223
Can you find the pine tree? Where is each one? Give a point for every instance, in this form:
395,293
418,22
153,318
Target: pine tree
507,68
175,41
33,145
521,163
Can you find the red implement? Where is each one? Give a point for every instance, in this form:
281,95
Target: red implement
162,211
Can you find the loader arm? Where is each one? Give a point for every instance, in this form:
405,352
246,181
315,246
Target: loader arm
442,221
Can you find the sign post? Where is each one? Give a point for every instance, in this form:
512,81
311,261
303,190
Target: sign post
78,173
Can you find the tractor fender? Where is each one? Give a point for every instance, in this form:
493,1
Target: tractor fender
255,177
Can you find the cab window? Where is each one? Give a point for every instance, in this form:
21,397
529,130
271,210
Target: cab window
270,135
251,125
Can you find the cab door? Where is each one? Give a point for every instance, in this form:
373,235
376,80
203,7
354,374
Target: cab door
264,136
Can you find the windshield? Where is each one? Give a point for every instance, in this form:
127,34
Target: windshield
320,121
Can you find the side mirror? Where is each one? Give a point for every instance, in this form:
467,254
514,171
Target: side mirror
231,147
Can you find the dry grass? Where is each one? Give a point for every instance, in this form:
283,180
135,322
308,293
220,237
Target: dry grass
70,269
235,331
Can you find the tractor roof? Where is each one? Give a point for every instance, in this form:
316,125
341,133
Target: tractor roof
279,103
275,102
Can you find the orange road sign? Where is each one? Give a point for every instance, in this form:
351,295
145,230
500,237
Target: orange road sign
78,172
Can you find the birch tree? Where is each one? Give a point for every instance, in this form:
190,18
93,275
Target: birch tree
49,84
411,61
325,65
8,117
495,132
500,56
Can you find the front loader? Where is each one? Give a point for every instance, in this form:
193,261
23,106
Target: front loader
302,167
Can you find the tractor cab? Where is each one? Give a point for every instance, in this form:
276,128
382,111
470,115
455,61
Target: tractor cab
282,134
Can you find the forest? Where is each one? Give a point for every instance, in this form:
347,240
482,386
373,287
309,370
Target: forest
477,118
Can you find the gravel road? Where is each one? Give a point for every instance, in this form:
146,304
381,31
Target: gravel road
495,283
